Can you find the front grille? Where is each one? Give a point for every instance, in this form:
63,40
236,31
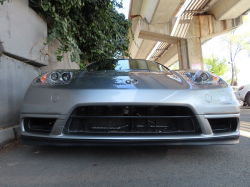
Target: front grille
131,119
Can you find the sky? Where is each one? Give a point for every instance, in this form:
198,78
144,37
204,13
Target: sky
125,8
216,47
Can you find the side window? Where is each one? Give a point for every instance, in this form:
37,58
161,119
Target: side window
104,65
152,66
138,64
164,69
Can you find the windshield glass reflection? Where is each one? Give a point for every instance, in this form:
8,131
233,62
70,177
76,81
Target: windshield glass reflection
125,64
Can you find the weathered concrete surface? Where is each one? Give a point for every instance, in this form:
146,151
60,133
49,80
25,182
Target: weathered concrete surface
15,78
203,26
158,37
229,9
163,29
23,32
53,64
148,9
9,135
165,11
145,49
206,27
194,53
188,36
160,17
170,57
17,131
135,46
135,8
6,136
157,11
183,54
22,36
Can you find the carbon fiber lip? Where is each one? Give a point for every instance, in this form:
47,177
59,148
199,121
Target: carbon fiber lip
32,140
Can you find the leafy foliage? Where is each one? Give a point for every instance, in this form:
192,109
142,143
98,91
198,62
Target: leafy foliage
1,1
174,66
90,29
236,42
214,65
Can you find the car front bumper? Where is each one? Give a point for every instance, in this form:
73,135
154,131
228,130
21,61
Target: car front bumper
205,104
57,137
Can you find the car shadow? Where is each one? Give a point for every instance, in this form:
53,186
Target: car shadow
128,152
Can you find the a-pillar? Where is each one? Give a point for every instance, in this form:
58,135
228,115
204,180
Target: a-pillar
190,53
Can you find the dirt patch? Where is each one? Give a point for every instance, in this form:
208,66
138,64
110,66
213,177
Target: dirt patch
11,146
8,126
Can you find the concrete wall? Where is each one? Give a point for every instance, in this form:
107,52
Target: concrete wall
23,32
15,78
229,9
53,64
22,36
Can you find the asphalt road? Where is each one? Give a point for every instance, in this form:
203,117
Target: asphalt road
227,165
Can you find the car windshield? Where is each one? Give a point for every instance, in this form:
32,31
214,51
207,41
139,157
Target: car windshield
125,64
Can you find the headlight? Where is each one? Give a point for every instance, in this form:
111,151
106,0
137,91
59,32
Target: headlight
58,77
202,77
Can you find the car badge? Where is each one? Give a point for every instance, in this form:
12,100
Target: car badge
132,81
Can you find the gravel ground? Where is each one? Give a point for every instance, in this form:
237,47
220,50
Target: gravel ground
227,165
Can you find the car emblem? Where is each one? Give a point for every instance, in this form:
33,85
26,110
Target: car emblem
132,81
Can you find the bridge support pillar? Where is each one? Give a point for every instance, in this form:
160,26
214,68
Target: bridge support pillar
190,53
187,42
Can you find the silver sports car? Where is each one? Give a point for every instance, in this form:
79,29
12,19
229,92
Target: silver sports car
129,102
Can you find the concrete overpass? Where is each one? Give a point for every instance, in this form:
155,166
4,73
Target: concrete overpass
166,31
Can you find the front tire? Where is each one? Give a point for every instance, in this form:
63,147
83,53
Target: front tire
248,99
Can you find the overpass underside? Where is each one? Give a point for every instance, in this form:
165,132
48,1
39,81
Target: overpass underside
168,31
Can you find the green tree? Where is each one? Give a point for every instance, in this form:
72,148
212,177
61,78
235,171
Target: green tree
235,43
214,65
174,66
90,29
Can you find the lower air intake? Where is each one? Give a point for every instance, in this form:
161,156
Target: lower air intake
131,119
223,124
39,125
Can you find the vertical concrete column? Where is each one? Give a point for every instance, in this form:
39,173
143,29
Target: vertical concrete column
190,54
183,54
195,53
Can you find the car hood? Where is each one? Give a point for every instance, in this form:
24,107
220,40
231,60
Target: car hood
128,80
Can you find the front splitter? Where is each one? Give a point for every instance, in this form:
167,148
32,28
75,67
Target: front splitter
33,140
